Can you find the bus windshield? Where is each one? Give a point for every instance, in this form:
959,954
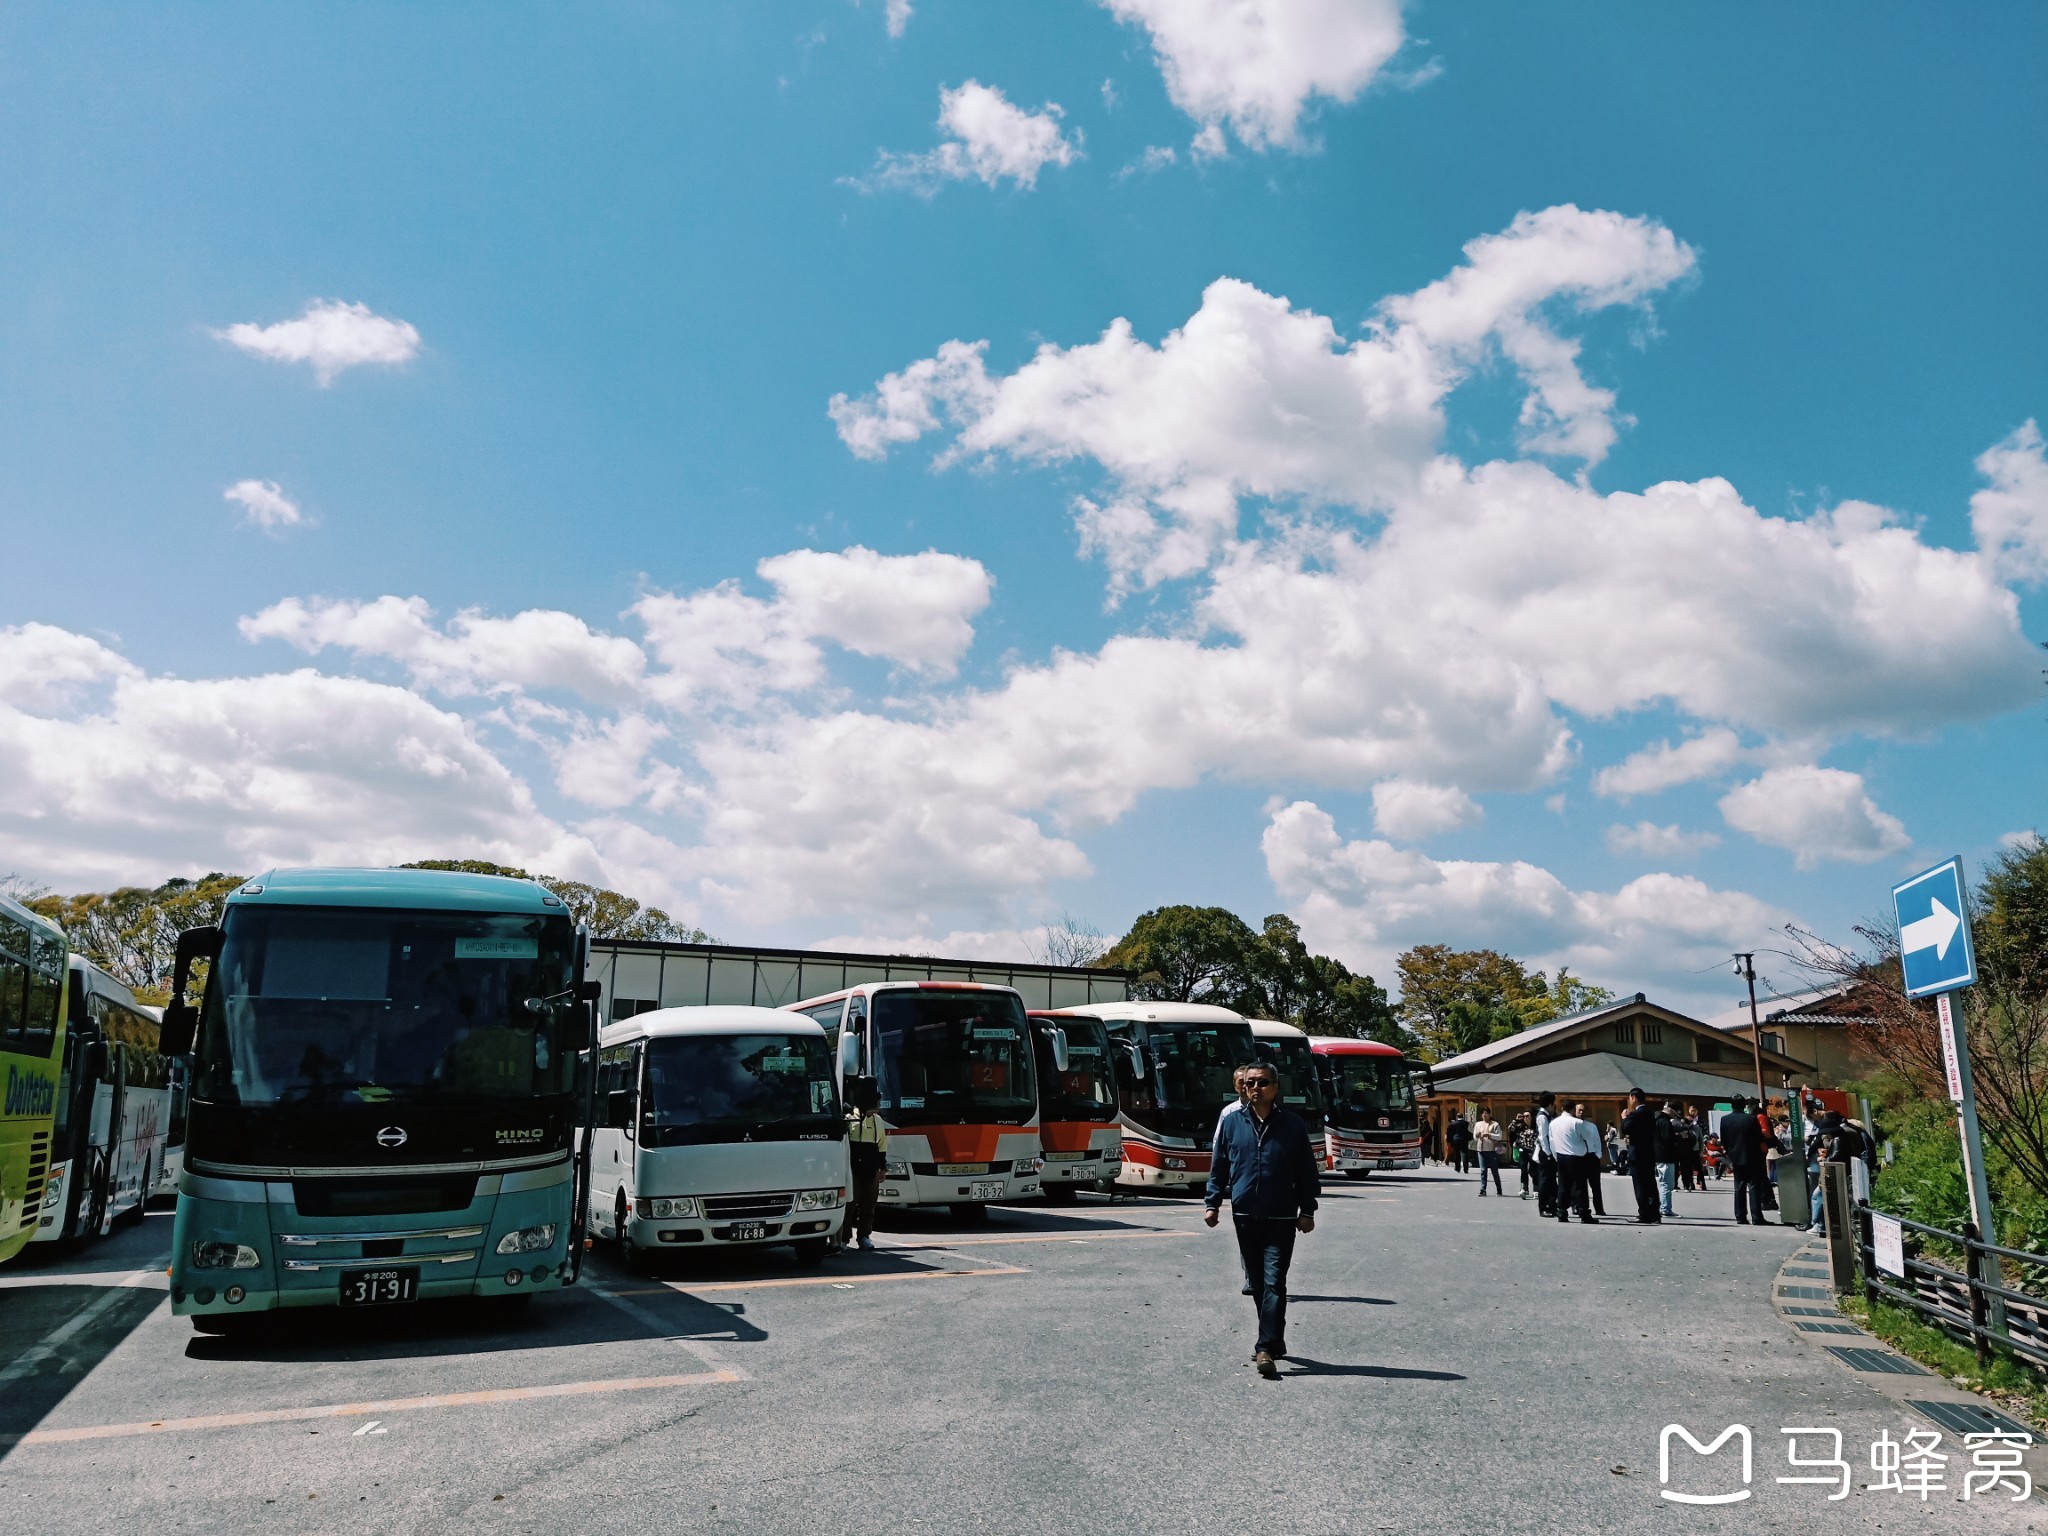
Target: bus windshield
953,1057
1371,1085
1087,1089
355,1006
1191,1073
1295,1064
708,1088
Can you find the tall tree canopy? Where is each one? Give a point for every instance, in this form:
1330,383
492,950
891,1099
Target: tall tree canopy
1459,999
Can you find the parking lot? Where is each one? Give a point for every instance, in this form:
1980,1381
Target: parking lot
1457,1362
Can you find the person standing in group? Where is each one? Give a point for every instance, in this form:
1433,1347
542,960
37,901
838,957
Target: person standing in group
1523,1135
1667,1155
1458,1136
867,1149
1486,1141
1574,1146
1742,1143
1546,1161
1639,1129
1263,1163
1599,1157
1234,1107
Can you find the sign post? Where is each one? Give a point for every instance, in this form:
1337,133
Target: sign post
1936,959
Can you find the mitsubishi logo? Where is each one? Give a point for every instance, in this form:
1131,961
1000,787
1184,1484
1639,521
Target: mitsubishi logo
391,1136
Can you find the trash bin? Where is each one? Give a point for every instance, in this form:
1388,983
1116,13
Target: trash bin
1795,1199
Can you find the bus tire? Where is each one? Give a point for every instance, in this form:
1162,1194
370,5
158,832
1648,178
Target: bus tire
134,1214
812,1251
1357,1173
99,1201
971,1212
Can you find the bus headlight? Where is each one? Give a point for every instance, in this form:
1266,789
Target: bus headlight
817,1199
528,1239
670,1209
224,1256
898,1168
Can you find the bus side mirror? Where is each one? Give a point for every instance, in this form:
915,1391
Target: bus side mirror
1060,1059
589,991
1136,1058
95,1063
181,1023
618,1109
849,1055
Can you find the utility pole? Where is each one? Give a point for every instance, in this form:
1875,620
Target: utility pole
1745,967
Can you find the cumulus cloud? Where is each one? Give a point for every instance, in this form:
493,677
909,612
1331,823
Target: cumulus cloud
332,336
264,503
43,667
1410,811
915,610
896,16
990,139
1254,397
1256,64
2010,515
1663,764
1366,900
1654,842
1815,813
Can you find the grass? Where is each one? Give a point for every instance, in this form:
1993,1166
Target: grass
2014,1386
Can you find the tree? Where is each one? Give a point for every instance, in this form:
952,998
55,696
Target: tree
132,933
1497,993
609,914
1069,942
1185,955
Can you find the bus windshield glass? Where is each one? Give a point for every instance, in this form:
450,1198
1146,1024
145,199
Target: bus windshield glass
1087,1089
953,1057
1372,1085
1191,1076
1295,1064
313,1005
709,1088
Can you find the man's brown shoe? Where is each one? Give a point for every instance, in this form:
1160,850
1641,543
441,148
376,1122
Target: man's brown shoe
1266,1366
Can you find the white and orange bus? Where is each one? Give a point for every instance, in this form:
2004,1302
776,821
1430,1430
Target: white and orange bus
1369,1111
952,1062
1174,1064
1077,1113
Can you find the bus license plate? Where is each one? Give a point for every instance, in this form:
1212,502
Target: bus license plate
379,1287
747,1231
988,1191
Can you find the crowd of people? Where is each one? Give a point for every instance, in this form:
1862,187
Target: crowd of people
1558,1154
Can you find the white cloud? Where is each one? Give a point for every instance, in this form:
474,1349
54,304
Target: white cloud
332,336
896,16
1256,64
990,139
43,667
1157,157
1411,811
916,610
1662,764
2018,839
2010,515
1815,813
1253,397
264,503
1365,901
1655,842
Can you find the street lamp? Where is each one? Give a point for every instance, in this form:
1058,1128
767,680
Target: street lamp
1745,967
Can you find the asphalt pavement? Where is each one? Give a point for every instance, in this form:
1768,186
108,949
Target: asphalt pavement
1462,1366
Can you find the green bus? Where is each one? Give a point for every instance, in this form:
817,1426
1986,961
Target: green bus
33,960
389,1094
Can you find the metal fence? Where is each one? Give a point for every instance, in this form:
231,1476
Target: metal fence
1966,1302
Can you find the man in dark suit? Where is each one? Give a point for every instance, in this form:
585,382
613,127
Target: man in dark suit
1742,1143
1639,1129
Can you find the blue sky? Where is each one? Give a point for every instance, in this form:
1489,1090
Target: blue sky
641,248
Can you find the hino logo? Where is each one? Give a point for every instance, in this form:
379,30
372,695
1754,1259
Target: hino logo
391,1136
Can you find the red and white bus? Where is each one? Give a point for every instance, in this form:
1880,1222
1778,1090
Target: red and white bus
1369,1112
1174,1063
953,1067
1077,1112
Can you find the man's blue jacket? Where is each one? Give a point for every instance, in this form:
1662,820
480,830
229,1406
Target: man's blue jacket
1269,1172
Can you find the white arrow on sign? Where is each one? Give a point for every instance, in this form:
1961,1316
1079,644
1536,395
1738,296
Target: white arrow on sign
1934,931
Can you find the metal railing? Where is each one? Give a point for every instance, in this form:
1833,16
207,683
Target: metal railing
1963,1302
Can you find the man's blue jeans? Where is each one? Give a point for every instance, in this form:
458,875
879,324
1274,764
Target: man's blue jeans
1267,1248
1667,1181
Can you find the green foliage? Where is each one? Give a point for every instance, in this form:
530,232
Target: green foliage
132,933
1186,955
2011,920
1459,999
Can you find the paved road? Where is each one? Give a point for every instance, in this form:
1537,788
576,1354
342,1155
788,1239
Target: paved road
1464,1367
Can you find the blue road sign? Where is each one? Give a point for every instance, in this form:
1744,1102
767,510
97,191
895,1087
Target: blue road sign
1934,931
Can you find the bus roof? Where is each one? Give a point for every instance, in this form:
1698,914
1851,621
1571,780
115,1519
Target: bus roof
443,890
1342,1045
904,985
1152,1013
98,979
35,920
1273,1029
717,1019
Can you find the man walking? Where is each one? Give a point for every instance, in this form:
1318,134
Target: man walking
1263,1164
1639,1130
1574,1148
1546,1162
1742,1143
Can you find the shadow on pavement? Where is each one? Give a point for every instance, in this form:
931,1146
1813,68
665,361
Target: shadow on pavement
1296,1365
50,1361
1363,1301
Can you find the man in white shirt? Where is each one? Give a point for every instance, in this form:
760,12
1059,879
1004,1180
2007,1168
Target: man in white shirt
1575,1148
1546,1165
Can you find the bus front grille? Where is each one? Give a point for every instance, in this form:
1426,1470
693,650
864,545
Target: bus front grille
728,1207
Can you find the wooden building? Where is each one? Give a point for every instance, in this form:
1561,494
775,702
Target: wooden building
1814,1026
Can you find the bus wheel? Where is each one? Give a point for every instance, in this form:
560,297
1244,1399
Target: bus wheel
140,1208
1060,1194
970,1212
99,1206
1357,1173
812,1251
